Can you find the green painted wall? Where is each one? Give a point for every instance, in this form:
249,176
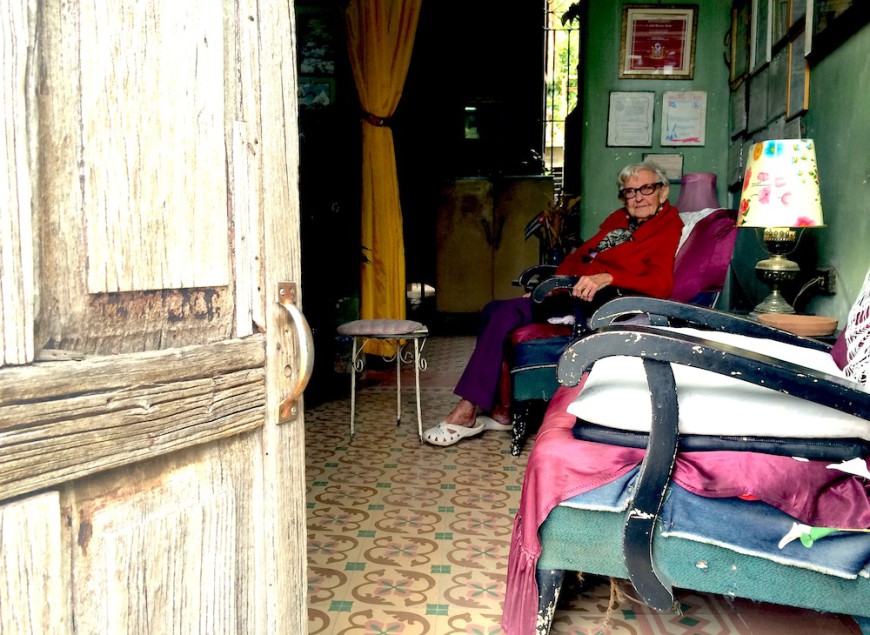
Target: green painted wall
601,164
839,121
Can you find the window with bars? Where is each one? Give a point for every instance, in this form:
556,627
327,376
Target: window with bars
561,59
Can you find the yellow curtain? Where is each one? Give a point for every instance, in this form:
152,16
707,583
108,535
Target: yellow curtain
380,36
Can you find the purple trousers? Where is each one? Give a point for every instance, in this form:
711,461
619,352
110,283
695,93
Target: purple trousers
479,381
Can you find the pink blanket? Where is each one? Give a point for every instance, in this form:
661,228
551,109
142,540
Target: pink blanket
560,467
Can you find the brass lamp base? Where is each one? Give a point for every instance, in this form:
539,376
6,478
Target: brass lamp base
777,269
774,303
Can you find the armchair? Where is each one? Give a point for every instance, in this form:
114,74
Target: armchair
529,375
715,418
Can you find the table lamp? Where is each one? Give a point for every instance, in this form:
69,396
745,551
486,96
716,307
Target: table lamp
697,192
780,195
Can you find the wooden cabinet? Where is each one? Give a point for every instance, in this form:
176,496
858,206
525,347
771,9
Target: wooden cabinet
479,239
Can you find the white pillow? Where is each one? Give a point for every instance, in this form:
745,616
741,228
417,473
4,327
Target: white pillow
690,219
858,337
616,394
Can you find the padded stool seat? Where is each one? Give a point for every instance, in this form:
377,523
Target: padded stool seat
398,333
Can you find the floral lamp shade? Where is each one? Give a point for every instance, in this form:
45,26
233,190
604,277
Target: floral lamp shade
781,185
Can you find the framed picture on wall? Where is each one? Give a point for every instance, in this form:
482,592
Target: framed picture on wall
317,47
684,118
740,48
737,110
630,119
670,164
316,92
794,129
833,22
658,41
778,21
760,49
735,164
797,11
757,98
798,78
777,85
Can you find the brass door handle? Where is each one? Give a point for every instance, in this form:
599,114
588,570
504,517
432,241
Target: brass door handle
288,410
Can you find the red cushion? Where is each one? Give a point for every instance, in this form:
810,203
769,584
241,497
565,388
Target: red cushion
539,330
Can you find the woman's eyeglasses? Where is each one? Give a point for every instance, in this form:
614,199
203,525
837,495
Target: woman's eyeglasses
646,190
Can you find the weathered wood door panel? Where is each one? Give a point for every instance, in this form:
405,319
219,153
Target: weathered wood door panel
31,555
151,437
172,546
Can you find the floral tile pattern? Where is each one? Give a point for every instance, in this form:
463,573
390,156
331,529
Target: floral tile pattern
411,539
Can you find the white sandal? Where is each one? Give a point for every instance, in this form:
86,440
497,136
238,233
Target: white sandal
491,424
448,433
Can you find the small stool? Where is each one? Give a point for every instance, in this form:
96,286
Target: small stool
394,332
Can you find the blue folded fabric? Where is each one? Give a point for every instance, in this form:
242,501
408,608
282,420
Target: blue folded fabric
752,527
613,497
756,528
540,352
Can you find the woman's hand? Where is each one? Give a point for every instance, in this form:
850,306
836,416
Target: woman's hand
588,286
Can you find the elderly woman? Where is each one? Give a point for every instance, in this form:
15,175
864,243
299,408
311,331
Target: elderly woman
632,252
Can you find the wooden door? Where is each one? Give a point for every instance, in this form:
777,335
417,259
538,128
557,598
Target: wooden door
481,246
516,203
151,351
464,242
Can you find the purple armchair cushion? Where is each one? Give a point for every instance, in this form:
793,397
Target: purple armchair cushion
702,262
838,352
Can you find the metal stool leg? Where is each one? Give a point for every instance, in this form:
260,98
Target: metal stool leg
417,381
353,358
399,347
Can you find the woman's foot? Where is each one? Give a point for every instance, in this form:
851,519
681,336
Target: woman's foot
498,419
464,414
501,415
491,424
463,421
448,434
459,424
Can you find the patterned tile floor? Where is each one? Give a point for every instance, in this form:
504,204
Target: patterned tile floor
411,539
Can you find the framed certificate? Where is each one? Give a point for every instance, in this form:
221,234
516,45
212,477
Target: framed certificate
658,41
630,119
684,118
670,164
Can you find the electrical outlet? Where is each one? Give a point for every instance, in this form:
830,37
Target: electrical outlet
828,283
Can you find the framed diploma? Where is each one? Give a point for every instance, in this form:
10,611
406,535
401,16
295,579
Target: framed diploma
670,164
658,41
684,118
630,119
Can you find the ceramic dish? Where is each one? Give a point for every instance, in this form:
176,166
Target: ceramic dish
806,325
